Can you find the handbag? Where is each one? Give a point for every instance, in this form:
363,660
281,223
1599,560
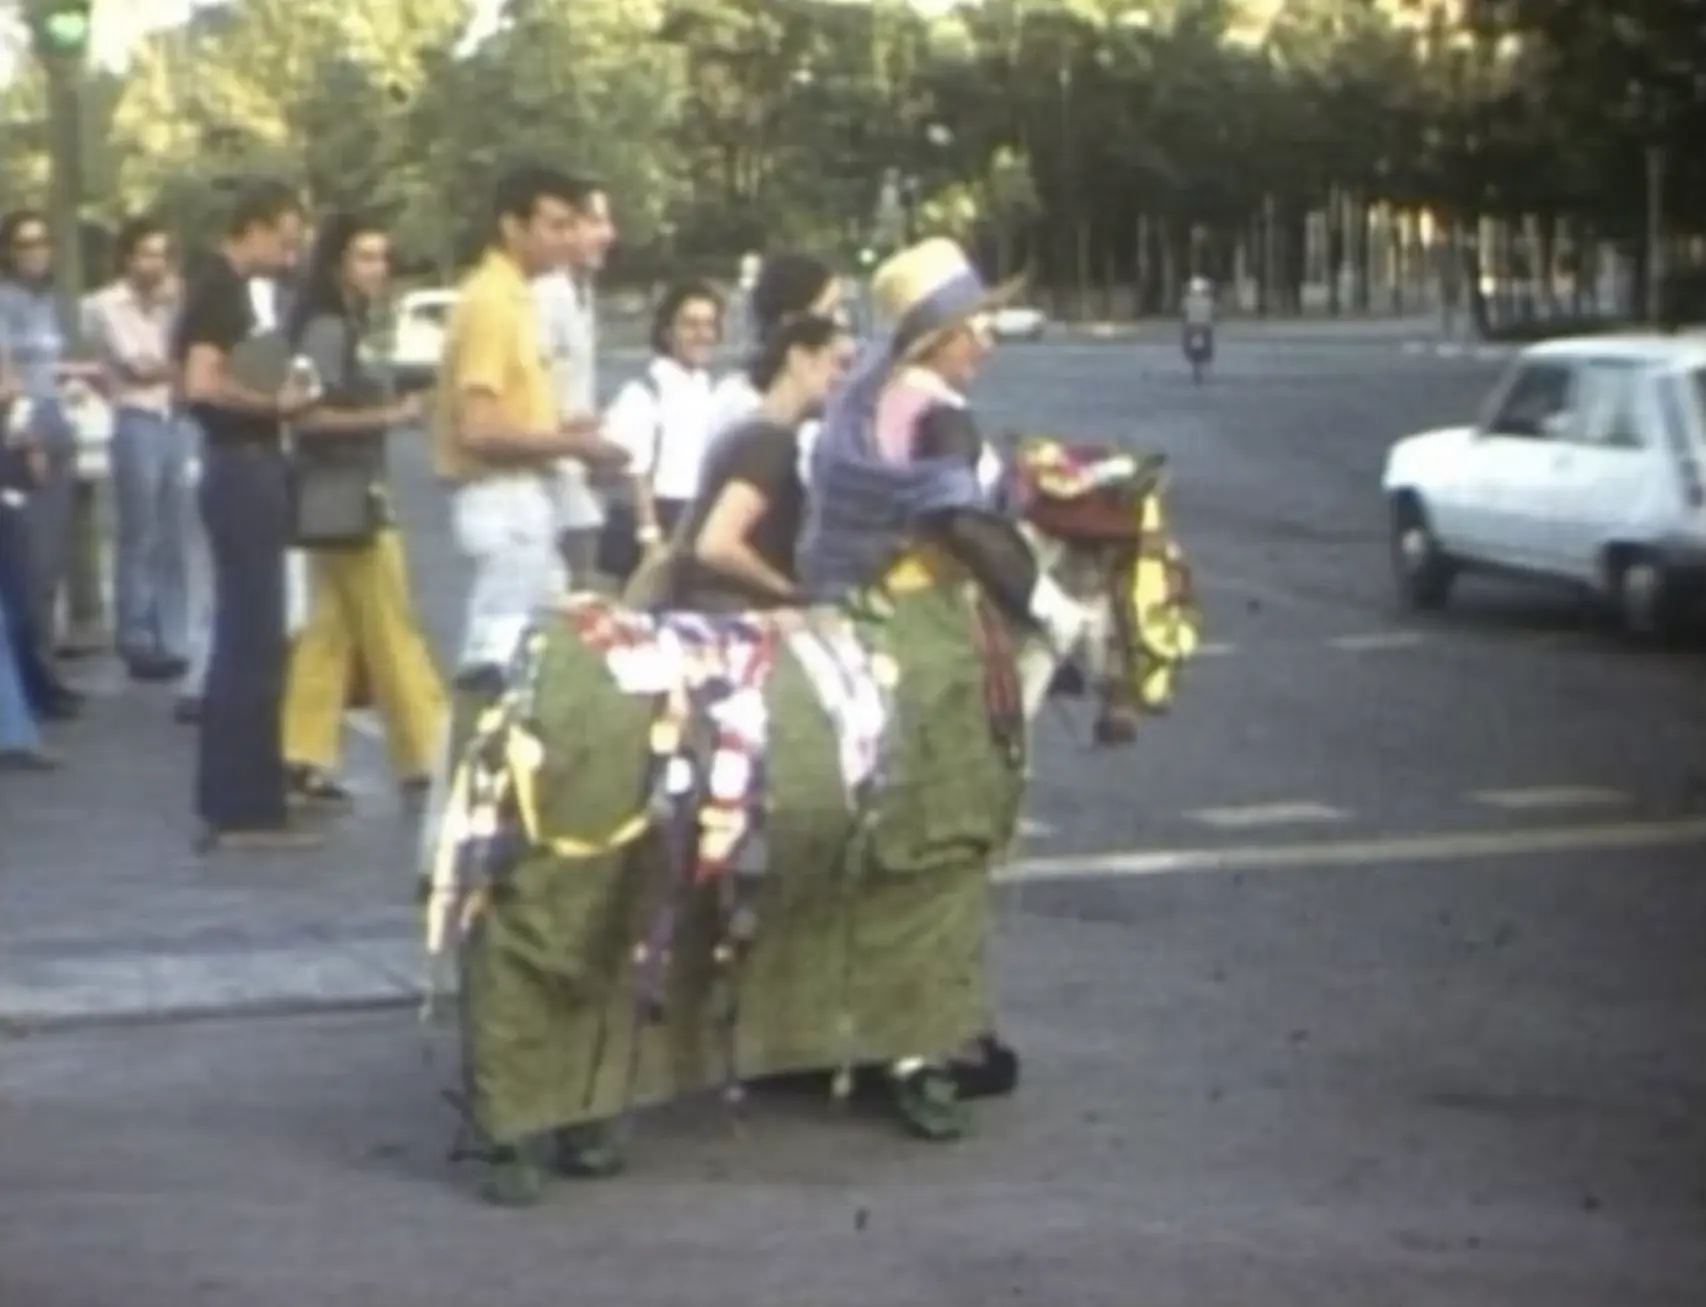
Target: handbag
335,501
336,505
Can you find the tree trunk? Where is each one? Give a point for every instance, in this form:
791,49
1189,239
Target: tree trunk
1362,275
1082,261
1141,266
1546,260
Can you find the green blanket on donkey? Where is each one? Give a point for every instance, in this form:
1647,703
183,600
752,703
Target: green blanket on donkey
857,959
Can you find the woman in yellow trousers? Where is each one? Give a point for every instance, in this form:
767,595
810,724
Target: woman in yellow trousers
361,624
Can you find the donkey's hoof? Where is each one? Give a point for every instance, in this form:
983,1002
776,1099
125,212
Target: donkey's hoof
929,1106
590,1152
513,1179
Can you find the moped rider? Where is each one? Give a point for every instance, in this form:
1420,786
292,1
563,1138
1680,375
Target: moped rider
1198,321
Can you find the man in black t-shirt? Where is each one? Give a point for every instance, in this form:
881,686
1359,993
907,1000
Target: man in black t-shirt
245,505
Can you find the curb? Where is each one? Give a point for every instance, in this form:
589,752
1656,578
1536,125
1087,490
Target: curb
133,988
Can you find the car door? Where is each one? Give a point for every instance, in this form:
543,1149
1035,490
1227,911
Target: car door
1605,468
1511,491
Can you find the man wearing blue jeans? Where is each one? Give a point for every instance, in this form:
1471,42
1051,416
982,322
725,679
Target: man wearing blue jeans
130,325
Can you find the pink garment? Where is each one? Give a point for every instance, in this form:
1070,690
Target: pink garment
901,405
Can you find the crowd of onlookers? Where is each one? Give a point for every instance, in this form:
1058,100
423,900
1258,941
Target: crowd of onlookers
252,409
251,412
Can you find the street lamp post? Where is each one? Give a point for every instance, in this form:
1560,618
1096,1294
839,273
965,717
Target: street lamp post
60,32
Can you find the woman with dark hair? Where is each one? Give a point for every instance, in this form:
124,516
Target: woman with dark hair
360,614
662,419
32,348
789,285
737,544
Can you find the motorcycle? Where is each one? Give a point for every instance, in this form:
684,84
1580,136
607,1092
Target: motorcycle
1199,350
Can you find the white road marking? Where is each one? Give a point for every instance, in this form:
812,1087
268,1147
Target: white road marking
1032,829
1376,641
1267,814
1463,846
1556,796
1215,649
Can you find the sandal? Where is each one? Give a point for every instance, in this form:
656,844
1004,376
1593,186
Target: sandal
311,785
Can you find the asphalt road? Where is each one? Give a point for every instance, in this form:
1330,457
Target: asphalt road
1373,975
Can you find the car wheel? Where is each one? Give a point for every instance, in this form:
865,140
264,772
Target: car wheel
1421,568
1643,594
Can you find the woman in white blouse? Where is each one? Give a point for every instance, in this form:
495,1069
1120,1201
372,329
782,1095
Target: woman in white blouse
789,285
663,419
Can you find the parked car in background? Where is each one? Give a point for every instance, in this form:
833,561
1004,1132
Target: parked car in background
417,335
1019,322
1587,465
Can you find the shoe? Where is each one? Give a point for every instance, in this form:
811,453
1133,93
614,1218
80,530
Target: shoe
30,758
187,711
927,1101
989,1069
155,667
257,838
589,1152
312,785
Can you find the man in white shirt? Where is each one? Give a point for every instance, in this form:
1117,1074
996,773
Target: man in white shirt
568,315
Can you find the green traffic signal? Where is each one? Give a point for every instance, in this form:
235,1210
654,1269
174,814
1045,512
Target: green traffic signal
63,28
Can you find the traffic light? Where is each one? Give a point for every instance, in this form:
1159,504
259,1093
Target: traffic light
62,28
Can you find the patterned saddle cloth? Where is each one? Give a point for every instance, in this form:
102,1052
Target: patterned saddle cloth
713,671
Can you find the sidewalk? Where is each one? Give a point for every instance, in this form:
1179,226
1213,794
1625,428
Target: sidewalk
106,913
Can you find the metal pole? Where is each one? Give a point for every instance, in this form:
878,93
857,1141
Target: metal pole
65,206
84,599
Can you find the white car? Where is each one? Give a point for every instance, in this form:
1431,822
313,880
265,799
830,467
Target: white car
1587,465
1018,322
417,336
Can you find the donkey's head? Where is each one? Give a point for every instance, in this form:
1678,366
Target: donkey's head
1093,517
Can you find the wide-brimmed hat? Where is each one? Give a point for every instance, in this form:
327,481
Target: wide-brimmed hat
929,289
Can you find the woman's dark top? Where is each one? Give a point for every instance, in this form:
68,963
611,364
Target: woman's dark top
765,456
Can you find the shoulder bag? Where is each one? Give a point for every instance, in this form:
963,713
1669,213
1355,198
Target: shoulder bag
336,503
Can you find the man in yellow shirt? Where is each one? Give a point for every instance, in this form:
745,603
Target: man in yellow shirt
499,435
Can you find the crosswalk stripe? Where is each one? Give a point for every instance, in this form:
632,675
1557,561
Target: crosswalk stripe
1449,846
1267,814
1540,797
1376,641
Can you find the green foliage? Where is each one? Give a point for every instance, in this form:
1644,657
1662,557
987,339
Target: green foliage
725,125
